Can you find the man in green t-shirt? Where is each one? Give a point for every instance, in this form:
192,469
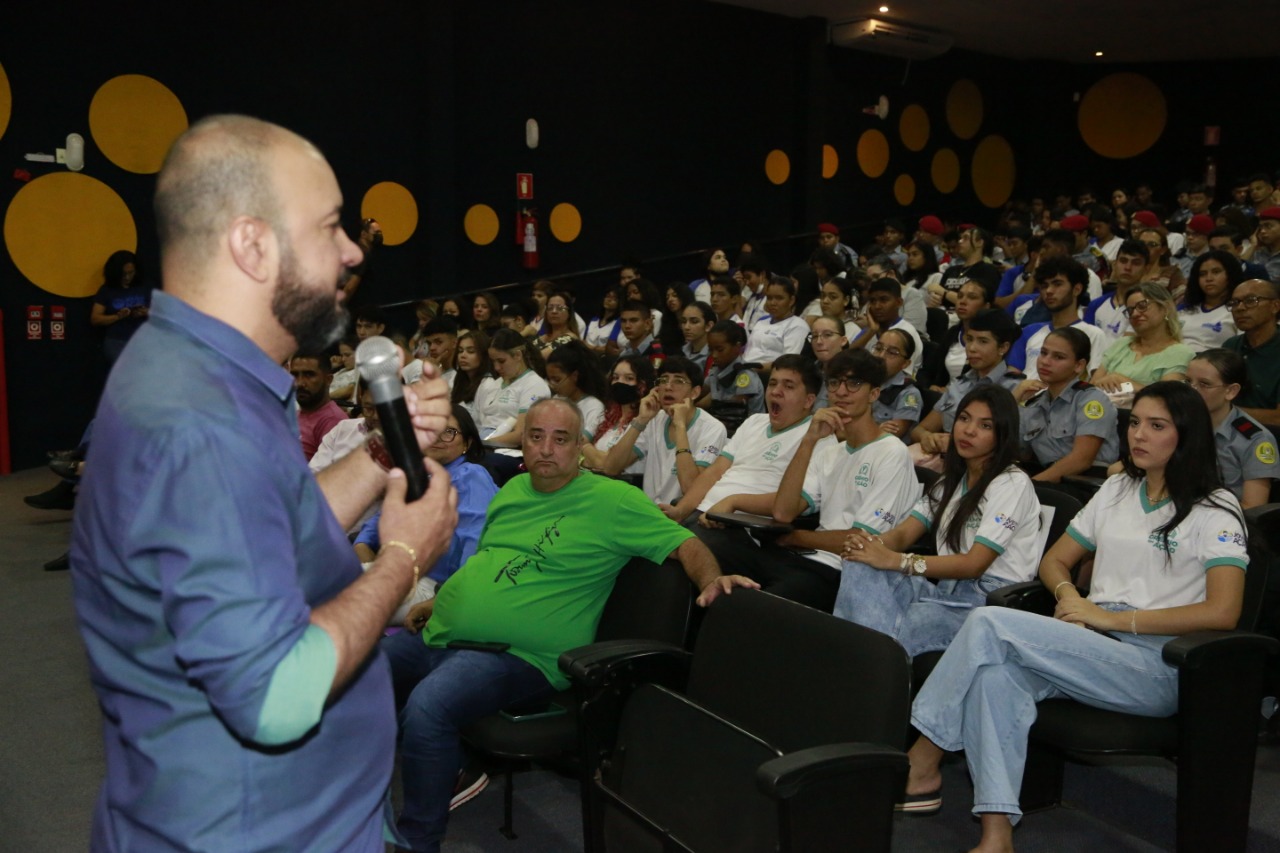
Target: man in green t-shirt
553,543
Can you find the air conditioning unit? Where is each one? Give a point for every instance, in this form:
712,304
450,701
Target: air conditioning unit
888,38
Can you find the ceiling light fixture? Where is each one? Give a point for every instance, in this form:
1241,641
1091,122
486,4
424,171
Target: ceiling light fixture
1097,53
884,9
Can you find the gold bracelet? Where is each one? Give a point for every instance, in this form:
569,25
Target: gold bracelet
1058,587
413,555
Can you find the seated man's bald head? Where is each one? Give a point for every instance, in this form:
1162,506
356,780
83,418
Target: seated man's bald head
220,168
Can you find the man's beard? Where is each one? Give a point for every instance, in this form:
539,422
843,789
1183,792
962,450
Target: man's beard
310,314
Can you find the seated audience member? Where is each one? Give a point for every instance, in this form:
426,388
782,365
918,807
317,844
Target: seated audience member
754,271
472,359
459,450
517,315
630,381
695,321
825,340
1061,281
346,435
922,267
836,300
317,414
1199,227
1255,307
1227,239
884,311
573,375
863,480
980,698
1068,426
829,238
604,328
673,437
891,243
637,332
898,408
538,296
518,368
644,291
1102,225
1107,311
913,310
730,380
779,333
424,311
440,336
554,542
1204,316
486,313
1077,225
752,462
371,321
451,306
342,387
987,341
971,265
949,359
559,325
715,264
1267,250
929,231
726,301
1155,350
985,521
1160,266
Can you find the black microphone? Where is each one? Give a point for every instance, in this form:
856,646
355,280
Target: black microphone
380,371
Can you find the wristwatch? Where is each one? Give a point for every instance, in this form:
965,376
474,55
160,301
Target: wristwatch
918,565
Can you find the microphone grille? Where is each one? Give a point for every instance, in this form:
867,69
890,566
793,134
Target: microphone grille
376,360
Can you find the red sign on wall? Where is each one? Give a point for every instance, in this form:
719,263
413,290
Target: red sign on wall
57,323
35,322
524,186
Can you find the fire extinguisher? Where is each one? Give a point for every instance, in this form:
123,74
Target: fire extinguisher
529,230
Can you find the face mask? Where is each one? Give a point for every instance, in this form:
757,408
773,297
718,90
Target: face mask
624,394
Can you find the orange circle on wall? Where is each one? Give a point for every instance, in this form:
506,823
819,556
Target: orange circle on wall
945,170
873,153
913,127
395,209
964,109
993,171
777,167
61,228
134,119
830,161
566,222
6,101
480,224
1122,115
904,190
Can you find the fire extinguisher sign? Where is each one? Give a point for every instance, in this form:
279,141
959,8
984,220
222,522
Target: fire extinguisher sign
35,322
524,186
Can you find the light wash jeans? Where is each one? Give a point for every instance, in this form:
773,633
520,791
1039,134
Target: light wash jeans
920,615
982,695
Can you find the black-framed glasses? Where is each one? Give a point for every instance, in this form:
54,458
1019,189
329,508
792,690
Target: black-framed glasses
1137,308
854,385
881,349
1248,302
448,434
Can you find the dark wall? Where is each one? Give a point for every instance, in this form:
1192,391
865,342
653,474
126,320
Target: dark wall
656,118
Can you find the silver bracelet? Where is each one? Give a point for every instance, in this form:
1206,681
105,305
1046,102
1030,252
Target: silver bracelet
1058,587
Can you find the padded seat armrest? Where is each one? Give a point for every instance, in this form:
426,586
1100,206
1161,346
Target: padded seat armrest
1031,596
594,665
784,777
1202,648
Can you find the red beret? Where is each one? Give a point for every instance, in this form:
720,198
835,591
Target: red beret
931,225
827,228
1078,222
1147,218
1201,223
1269,213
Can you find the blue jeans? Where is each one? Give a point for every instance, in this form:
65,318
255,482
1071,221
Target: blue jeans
920,615
439,692
982,695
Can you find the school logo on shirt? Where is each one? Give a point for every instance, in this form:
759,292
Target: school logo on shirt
1093,410
709,450
771,453
743,380
1266,453
1232,536
1155,540
910,401
863,478
885,516
1007,522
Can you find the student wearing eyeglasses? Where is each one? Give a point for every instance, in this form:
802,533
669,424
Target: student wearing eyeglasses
898,408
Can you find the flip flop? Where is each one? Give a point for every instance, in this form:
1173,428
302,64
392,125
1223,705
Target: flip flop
920,805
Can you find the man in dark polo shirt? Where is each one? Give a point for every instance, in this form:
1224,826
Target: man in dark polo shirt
1255,305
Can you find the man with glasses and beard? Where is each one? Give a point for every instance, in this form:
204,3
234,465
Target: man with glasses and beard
223,611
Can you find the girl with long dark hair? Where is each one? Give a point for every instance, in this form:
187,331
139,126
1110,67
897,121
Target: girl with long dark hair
1205,318
573,373
985,520
473,368
630,379
1169,558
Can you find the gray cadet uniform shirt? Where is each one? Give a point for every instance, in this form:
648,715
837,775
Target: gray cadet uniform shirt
1001,374
1246,450
899,400
1050,427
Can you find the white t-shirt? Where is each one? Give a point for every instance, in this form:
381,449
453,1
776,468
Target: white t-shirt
1111,249
772,338
1007,521
1110,318
870,487
657,448
597,335
592,413
956,359
1202,330
759,456
611,437
1097,346
1131,566
343,381
508,401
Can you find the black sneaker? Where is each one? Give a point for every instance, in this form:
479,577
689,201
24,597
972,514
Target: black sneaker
59,564
61,496
470,783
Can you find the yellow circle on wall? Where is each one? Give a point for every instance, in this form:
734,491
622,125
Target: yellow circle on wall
1122,115
945,170
61,228
480,224
904,189
873,153
913,127
134,119
830,161
964,109
394,208
777,167
566,222
6,101
993,171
